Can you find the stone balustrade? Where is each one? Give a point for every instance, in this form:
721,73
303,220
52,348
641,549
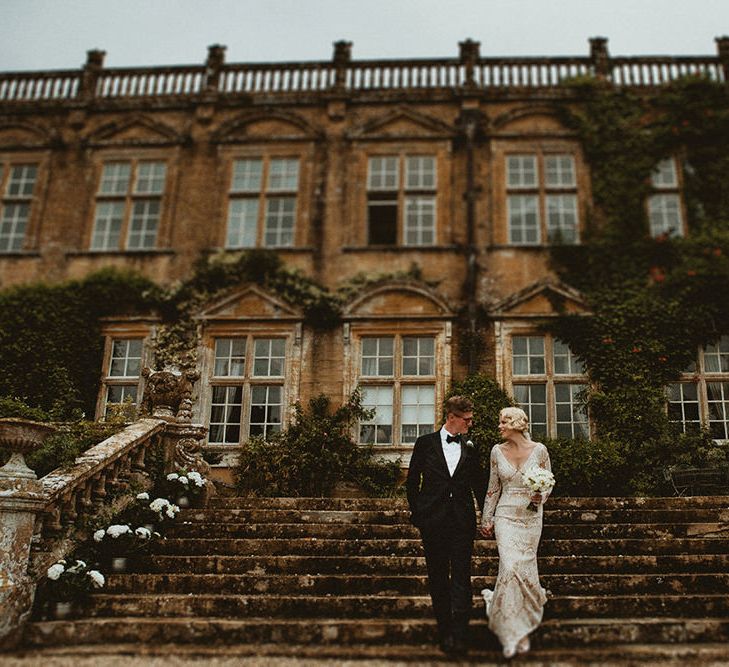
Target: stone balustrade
42,520
342,75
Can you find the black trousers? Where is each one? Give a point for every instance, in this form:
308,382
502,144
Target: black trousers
448,550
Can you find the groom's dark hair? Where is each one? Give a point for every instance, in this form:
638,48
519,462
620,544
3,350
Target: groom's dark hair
458,405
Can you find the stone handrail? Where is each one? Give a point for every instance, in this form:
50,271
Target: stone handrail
38,517
79,488
467,73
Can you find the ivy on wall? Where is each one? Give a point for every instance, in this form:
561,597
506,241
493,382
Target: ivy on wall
652,301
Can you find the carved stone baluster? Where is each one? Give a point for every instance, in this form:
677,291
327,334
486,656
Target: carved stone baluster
68,507
85,500
99,492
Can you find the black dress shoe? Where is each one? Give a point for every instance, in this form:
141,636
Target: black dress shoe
460,647
447,645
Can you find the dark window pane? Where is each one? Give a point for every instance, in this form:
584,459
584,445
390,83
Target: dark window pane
382,221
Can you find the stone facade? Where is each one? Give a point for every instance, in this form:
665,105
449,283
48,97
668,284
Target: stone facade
343,167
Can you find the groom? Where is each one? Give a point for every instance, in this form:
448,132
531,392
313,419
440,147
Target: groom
445,475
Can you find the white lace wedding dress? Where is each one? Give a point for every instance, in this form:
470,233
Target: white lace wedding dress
515,606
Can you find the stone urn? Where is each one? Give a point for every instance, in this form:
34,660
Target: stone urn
21,437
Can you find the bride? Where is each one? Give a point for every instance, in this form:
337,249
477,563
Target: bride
515,606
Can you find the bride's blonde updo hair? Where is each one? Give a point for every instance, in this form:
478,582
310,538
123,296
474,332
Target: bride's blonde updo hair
516,419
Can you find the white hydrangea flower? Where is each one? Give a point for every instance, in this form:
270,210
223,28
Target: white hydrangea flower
117,530
143,496
55,571
182,480
99,535
143,533
172,476
159,504
197,478
171,511
97,579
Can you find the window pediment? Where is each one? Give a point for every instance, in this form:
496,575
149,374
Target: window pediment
249,303
273,126
402,123
539,300
137,131
398,300
542,120
14,136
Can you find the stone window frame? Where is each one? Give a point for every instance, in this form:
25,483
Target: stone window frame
440,331
166,199
288,380
406,197
667,184
542,192
549,379
263,195
133,330
541,148
698,378
8,161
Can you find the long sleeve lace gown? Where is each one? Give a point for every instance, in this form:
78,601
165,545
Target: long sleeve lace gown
515,606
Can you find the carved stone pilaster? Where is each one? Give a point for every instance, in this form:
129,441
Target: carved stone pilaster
600,57
470,52
92,70
213,65
183,448
21,501
722,49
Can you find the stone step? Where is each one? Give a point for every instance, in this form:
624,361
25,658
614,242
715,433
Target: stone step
670,502
297,655
350,565
388,606
401,516
372,631
401,531
328,584
412,547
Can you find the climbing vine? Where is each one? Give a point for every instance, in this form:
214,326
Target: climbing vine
653,302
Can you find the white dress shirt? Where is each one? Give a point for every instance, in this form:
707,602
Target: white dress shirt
451,450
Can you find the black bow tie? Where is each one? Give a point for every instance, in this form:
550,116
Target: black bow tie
453,438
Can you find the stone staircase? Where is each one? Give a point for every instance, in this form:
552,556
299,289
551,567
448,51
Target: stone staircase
644,579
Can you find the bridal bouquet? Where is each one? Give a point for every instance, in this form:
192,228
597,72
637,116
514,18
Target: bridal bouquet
538,480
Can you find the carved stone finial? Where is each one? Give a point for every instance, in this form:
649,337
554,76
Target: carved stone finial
470,51
95,58
342,52
168,393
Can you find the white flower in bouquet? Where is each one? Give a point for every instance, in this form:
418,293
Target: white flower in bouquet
172,477
143,496
55,571
117,531
143,533
97,579
539,480
99,535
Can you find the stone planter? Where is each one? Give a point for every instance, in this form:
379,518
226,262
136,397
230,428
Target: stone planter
21,437
61,610
119,564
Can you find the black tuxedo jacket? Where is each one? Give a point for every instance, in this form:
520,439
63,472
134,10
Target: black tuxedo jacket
436,499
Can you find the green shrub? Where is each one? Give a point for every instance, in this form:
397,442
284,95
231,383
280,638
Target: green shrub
589,467
488,400
313,454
